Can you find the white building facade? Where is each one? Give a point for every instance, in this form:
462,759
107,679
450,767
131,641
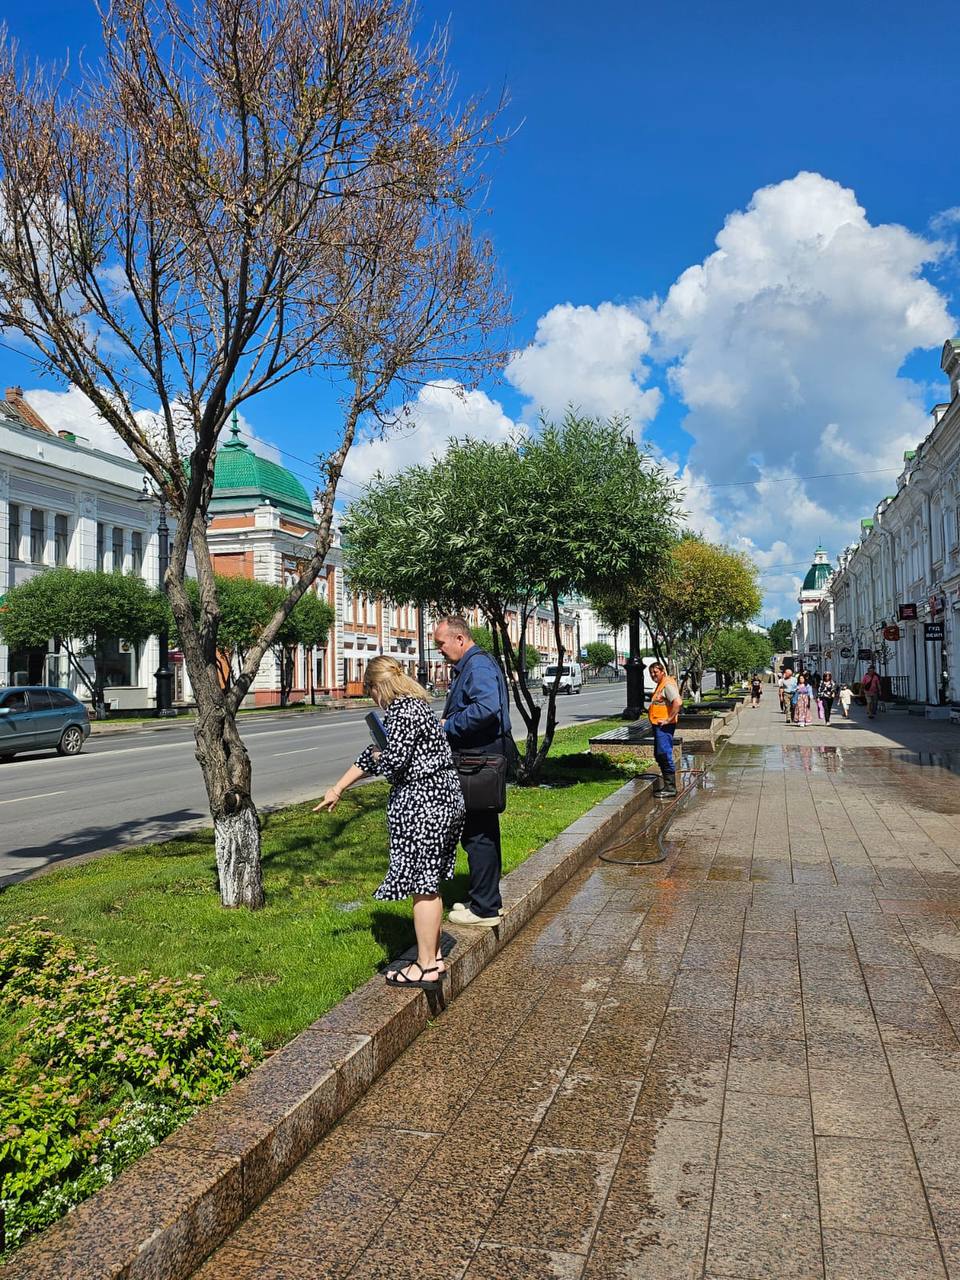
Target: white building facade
63,503
896,592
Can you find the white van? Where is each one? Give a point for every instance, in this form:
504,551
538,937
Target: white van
571,678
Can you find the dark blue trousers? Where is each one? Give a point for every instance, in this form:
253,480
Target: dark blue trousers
481,839
663,749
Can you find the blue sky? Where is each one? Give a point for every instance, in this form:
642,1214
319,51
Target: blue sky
640,129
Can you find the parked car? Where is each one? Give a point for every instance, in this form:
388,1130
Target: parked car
571,678
34,717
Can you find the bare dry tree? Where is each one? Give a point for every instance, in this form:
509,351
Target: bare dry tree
241,191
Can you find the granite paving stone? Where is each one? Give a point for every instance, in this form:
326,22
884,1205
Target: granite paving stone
869,1185
741,1064
497,1262
853,1255
765,1223
554,1201
768,1132
848,1102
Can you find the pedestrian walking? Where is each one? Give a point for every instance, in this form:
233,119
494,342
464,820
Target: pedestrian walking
789,689
814,682
828,692
756,691
664,711
780,689
846,697
802,702
425,812
476,719
870,687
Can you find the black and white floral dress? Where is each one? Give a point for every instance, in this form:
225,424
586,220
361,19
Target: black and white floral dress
425,811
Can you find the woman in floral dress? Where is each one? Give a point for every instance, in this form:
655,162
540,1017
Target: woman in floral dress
425,811
802,702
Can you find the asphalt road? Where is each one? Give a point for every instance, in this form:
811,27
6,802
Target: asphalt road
145,785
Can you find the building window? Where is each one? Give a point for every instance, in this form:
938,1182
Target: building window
37,536
119,663
13,549
60,541
136,552
101,541
118,551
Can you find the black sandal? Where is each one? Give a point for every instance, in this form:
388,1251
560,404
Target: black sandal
397,978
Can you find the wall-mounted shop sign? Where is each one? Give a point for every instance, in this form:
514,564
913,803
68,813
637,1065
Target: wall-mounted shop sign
891,632
933,631
864,655
907,612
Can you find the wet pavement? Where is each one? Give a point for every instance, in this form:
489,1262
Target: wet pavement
740,1063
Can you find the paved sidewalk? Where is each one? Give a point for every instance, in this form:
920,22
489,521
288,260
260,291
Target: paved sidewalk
742,1063
894,727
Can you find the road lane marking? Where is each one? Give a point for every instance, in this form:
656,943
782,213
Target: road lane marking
297,752
42,796
174,746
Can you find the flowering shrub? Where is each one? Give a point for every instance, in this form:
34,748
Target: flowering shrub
109,1066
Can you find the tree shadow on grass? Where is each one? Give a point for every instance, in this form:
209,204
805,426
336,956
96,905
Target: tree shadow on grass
93,841
348,847
580,766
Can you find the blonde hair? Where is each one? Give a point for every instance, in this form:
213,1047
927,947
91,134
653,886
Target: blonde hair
385,679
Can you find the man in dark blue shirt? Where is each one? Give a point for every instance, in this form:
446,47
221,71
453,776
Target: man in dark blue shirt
476,717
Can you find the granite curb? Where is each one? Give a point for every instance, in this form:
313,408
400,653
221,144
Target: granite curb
165,1214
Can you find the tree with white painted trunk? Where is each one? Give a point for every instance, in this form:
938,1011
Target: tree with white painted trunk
238,192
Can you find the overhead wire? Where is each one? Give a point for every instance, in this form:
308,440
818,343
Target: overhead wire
825,475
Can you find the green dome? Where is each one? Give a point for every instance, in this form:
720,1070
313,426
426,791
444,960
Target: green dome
242,479
819,573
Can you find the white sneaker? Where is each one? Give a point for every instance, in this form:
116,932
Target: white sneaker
465,906
466,916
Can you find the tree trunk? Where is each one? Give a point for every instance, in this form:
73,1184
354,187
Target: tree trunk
285,664
225,765
527,765
237,838
227,776
530,763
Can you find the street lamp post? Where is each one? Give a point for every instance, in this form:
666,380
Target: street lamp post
634,708
423,671
163,675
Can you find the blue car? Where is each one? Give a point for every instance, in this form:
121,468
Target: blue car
33,717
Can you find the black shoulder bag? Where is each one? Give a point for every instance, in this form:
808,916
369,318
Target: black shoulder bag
483,778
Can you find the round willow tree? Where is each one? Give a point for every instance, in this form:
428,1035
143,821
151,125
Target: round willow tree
512,527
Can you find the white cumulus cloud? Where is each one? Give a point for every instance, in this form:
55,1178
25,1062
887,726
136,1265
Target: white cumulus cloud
442,410
590,357
787,345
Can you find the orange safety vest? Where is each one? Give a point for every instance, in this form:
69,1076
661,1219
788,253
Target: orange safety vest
659,712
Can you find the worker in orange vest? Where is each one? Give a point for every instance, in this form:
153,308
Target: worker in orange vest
665,707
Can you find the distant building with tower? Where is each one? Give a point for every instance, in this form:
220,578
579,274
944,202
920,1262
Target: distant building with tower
894,597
